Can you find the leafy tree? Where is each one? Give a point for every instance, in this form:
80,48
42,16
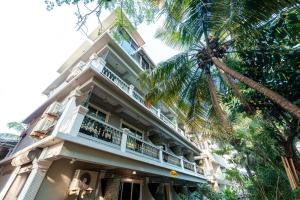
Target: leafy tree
259,154
181,79
278,69
205,192
138,11
18,126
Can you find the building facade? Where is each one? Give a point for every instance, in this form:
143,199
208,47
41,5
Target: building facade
213,165
95,137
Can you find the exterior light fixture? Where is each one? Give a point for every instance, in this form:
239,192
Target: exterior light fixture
133,172
72,161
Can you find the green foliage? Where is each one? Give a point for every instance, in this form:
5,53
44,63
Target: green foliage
192,196
19,127
229,194
273,60
296,193
258,154
138,11
205,192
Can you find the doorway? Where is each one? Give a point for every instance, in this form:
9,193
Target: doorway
130,190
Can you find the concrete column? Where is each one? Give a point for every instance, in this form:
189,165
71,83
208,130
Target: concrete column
181,162
72,117
64,119
124,139
34,180
112,189
131,88
97,63
195,168
161,158
9,182
76,120
158,112
176,124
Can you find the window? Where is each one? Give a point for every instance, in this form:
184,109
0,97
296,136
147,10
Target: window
97,113
129,191
145,64
133,131
130,46
125,40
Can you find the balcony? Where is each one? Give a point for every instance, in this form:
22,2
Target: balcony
129,89
123,140
99,67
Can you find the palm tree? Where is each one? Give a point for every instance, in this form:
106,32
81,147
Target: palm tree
207,31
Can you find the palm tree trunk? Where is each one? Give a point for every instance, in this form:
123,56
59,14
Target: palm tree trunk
236,91
216,103
290,171
281,101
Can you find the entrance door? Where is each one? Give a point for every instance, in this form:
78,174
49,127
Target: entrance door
129,191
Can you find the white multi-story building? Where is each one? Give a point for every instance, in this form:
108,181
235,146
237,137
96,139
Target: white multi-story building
95,137
213,165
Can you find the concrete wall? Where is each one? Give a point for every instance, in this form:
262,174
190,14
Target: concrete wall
112,189
146,193
174,195
16,187
5,173
114,120
56,183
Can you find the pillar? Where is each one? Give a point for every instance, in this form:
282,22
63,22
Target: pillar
97,63
124,139
161,158
9,182
73,115
112,189
131,88
34,180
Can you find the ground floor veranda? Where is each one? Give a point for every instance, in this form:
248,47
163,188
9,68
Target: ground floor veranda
76,172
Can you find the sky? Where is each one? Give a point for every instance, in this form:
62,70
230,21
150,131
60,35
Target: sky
34,43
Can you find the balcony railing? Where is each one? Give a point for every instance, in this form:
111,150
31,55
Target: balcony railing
99,131
142,147
172,159
139,98
188,165
116,79
167,121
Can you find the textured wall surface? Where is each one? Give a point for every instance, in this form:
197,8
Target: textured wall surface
112,189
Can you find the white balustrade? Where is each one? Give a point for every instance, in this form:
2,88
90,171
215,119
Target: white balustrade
141,146
99,131
188,165
116,79
172,159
